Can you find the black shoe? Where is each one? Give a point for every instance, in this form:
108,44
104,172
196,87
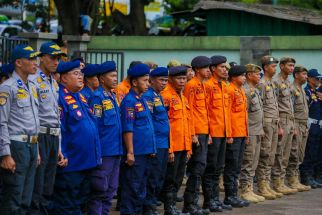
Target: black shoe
223,205
244,202
212,206
192,210
159,203
234,202
179,199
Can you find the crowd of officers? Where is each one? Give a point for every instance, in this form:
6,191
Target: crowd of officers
71,137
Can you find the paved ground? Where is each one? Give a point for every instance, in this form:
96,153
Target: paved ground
305,203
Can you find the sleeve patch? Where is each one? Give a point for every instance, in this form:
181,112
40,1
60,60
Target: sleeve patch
3,98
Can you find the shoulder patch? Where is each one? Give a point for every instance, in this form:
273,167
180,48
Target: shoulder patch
3,98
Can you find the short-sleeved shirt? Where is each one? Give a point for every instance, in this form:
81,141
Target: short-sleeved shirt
108,121
284,95
80,139
136,118
159,118
255,110
47,89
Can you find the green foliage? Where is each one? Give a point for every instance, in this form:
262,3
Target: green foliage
180,5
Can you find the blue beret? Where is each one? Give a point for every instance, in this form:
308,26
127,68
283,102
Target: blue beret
23,51
90,70
52,49
108,66
6,69
237,70
178,70
64,67
313,73
138,70
159,71
218,59
200,62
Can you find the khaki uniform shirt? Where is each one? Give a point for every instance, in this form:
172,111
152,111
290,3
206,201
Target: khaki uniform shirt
284,95
301,109
269,98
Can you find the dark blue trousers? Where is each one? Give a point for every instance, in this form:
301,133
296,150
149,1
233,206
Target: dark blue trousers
45,174
156,177
134,182
312,157
72,189
104,183
17,187
234,158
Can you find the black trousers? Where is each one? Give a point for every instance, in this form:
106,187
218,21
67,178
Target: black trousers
234,158
215,167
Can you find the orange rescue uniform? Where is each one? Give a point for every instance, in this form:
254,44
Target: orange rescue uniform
195,92
239,116
122,90
218,108
180,121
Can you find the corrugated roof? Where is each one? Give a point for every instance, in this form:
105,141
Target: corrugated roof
283,12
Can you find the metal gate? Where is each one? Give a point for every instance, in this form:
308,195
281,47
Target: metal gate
102,56
7,45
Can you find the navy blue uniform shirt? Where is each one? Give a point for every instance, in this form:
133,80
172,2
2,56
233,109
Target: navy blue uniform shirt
314,102
80,139
136,118
88,93
108,121
159,118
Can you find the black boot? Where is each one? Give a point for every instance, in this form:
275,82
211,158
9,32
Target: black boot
149,210
218,202
209,202
318,177
169,207
308,180
189,205
245,203
231,199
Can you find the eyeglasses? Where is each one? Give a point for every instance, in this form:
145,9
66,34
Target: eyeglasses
77,73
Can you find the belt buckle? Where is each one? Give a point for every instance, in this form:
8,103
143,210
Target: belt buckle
33,139
24,138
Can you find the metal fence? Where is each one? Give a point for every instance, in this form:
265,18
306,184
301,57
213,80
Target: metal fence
102,56
7,45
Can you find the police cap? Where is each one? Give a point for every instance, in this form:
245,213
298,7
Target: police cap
90,70
138,70
313,73
266,60
107,66
159,71
173,63
237,71
299,68
200,62
52,49
284,60
64,67
178,70
23,51
218,59
252,68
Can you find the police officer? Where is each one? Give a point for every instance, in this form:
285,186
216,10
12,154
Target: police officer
90,81
270,126
139,140
107,113
307,169
235,150
220,132
255,133
80,142
285,125
180,136
301,112
19,129
48,139
195,92
6,71
158,80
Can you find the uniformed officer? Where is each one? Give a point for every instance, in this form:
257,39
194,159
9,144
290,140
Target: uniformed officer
235,150
6,71
90,81
270,126
195,92
48,138
80,142
18,134
285,125
158,80
139,140
124,87
105,177
308,167
180,136
220,132
301,114
255,134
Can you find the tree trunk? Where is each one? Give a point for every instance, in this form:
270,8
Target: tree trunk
68,16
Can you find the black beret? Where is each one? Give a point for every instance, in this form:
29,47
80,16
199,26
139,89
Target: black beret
218,59
200,62
178,70
237,70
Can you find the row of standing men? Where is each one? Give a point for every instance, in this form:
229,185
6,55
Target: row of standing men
144,132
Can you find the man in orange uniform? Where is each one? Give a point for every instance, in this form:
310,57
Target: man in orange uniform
124,87
220,132
235,150
196,95
180,136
